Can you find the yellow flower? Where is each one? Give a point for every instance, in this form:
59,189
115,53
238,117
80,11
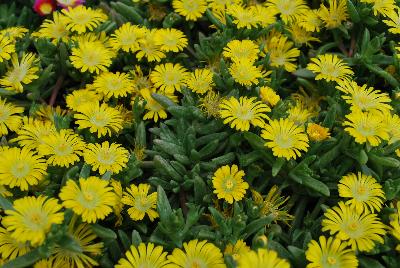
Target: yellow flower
395,224
366,127
55,30
285,138
235,250
10,248
196,254
113,84
92,198
317,132
127,37
99,118
310,21
91,56
300,36
281,52
154,109
170,39
265,15
269,96
140,202
330,68
333,16
362,230
3,190
21,168
393,21
261,258
245,73
222,4
117,209
200,81
382,7
209,104
21,73
14,32
228,183
330,252
9,118
392,123
148,47
243,17
190,9
289,10
237,50
363,98
169,77
80,97
299,114
32,132
243,112
32,218
63,148
144,256
47,112
7,47
106,157
81,18
84,237
365,192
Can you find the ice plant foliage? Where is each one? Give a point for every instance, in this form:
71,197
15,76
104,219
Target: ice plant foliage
199,133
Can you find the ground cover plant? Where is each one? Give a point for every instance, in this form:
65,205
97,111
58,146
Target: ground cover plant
199,133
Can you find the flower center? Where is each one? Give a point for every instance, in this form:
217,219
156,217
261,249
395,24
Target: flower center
99,120
287,7
142,204
63,149
229,184
190,6
81,18
4,114
88,196
243,113
36,220
90,58
17,75
105,157
284,141
46,8
365,129
171,78
331,260
353,226
20,170
88,199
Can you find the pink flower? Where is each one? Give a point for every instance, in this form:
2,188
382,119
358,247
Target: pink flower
70,3
44,7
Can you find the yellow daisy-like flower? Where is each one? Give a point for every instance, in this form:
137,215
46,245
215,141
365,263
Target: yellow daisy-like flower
330,252
265,15
282,52
127,37
32,217
140,202
299,114
7,47
169,77
330,68
381,7
10,248
148,47
21,168
393,21
228,183
269,96
366,127
171,40
106,157
365,192
154,109
55,30
21,73
99,118
285,138
83,236
310,21
239,114
14,33
237,50
32,132
261,258
335,15
91,56
190,9
392,123
289,10
9,118
145,255
362,230
81,18
196,254
117,209
363,98
395,224
317,132
3,190
245,73
92,198
200,81
235,250
243,17
62,148
300,36
80,97
113,84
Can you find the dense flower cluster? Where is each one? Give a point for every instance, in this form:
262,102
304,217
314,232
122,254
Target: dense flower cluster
200,133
